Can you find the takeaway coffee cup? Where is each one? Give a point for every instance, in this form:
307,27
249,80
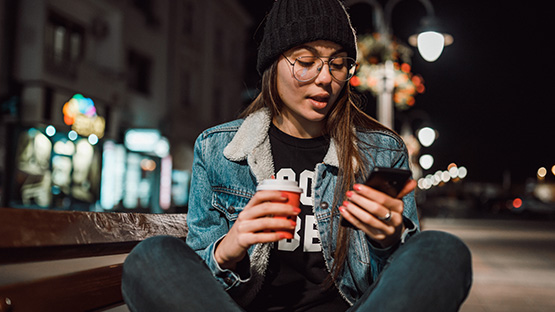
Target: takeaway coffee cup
287,187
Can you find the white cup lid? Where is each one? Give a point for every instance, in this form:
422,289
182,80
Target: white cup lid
279,185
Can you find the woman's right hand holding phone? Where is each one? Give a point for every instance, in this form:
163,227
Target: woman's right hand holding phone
254,225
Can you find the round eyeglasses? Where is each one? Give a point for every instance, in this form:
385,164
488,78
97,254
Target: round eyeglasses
306,68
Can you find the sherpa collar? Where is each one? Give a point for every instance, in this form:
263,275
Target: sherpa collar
253,136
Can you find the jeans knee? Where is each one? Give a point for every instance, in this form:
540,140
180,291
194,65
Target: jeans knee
147,253
451,250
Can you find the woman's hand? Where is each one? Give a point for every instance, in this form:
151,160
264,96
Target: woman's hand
376,214
254,225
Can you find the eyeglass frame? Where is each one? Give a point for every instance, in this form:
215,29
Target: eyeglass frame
330,58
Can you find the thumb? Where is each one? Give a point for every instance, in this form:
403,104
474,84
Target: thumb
409,187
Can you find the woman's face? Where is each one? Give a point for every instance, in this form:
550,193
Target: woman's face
308,103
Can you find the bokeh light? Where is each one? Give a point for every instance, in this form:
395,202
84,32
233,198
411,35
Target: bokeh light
426,136
50,130
93,139
542,172
72,135
426,161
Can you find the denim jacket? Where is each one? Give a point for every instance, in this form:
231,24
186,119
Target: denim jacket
230,160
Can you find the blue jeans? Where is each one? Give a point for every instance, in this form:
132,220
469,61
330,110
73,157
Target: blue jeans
432,271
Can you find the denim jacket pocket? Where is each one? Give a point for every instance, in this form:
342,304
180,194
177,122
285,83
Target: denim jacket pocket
229,202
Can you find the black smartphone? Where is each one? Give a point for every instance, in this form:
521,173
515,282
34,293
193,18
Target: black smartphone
386,180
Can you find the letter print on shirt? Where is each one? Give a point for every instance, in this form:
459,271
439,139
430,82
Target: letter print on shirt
306,222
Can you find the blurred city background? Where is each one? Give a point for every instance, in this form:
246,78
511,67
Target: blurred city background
101,101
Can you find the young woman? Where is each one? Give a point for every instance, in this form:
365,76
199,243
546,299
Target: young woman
304,126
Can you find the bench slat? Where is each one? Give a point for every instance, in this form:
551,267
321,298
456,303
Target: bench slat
80,291
28,235
33,235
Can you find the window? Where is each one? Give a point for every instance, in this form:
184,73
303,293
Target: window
185,89
147,8
218,105
138,72
64,44
188,11
219,50
188,18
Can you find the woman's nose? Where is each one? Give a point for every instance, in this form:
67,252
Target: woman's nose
324,75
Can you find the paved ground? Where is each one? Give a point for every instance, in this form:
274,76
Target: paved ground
513,262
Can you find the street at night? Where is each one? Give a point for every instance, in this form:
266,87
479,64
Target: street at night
513,262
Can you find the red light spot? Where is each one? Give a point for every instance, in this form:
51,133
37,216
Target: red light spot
517,203
355,81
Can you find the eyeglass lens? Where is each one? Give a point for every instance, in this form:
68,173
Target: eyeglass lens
308,67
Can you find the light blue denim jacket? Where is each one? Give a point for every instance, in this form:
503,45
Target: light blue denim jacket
230,160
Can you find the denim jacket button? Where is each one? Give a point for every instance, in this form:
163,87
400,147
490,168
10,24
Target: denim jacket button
231,209
324,205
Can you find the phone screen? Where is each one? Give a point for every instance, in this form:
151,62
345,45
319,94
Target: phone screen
388,180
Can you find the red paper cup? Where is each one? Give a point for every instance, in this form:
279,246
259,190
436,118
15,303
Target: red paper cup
288,188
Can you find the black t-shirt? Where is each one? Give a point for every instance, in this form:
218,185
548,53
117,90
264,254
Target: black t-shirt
297,278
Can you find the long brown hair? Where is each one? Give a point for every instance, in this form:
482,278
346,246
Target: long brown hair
341,124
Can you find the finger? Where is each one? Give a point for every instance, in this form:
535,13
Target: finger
373,194
266,209
409,187
372,206
266,225
378,231
372,218
383,200
362,217
265,237
266,196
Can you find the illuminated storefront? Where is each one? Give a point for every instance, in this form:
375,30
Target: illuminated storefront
55,170
72,167
57,167
137,175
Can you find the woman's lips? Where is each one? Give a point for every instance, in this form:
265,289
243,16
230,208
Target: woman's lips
319,101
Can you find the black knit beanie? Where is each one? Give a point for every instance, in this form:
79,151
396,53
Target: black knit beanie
294,22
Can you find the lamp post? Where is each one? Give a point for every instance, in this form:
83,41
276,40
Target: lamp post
429,40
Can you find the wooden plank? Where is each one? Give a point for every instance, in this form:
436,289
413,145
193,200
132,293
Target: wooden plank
36,235
33,235
81,291
46,253
34,227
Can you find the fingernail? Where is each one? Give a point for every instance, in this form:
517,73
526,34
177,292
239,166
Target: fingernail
345,203
293,222
349,194
297,210
341,209
357,187
284,196
283,235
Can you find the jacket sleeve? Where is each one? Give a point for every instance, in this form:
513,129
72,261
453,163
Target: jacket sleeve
410,212
206,225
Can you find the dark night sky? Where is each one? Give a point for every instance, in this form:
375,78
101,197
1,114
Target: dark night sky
488,94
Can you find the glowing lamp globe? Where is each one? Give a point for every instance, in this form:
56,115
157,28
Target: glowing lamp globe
430,45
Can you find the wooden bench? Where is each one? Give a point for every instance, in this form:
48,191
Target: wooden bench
30,237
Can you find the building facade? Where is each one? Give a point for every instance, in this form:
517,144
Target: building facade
100,68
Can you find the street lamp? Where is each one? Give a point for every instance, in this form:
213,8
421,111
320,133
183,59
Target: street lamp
430,43
429,39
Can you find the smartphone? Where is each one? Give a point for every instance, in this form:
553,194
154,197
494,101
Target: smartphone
386,180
